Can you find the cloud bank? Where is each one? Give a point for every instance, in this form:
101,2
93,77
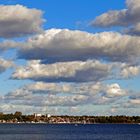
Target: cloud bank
52,95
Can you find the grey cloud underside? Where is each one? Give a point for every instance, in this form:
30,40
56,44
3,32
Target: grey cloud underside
67,45
134,30
17,20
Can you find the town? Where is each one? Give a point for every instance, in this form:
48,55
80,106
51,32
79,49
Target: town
18,117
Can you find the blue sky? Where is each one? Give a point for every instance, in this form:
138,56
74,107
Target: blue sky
66,13
76,55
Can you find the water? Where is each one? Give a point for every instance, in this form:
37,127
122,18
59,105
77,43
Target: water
69,132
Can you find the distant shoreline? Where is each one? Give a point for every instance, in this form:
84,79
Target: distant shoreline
68,123
35,118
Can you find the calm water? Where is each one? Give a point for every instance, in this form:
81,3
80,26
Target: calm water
69,132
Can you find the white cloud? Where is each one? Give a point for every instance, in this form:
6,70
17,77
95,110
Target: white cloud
18,20
75,71
111,18
48,96
114,90
129,18
8,44
67,45
123,17
5,64
130,71
64,94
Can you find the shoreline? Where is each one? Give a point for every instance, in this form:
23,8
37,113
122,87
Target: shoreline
68,123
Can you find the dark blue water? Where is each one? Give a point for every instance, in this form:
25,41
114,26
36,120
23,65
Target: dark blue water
69,132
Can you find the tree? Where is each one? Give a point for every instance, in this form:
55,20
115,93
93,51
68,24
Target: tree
18,115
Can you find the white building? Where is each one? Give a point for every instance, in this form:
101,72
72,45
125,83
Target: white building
48,115
37,115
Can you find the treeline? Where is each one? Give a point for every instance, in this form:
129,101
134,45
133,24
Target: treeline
99,119
18,117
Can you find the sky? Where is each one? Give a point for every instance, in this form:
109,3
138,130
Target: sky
70,57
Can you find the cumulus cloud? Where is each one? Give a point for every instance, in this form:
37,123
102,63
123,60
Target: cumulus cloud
111,18
75,71
130,71
67,45
18,20
5,64
64,94
123,17
114,90
72,88
129,18
48,99
8,44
